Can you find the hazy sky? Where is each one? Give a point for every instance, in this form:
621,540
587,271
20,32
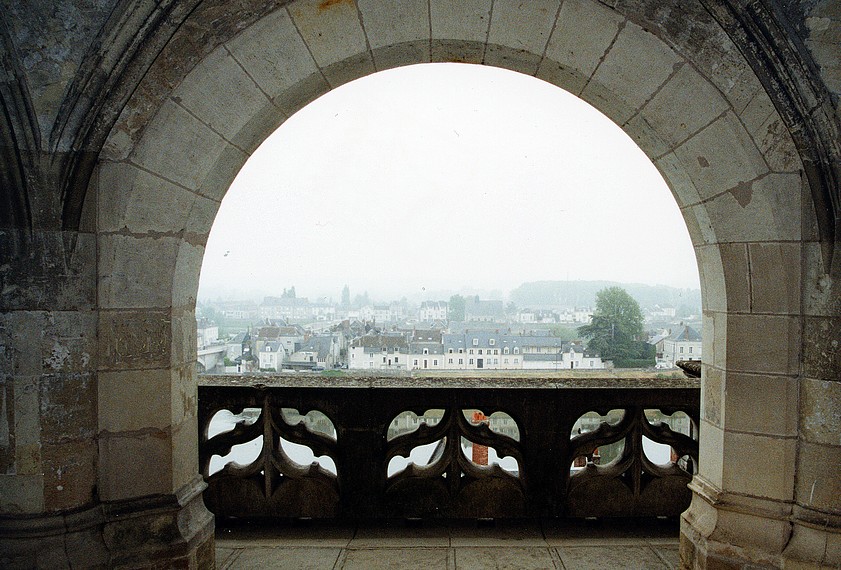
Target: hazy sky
445,177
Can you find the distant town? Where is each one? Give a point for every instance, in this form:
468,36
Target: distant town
464,332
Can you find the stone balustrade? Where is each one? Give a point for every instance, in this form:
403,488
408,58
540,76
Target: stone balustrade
351,423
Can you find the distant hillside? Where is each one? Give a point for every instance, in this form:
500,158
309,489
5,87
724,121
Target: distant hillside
583,294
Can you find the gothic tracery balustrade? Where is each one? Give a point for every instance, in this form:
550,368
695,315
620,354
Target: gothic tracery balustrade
391,446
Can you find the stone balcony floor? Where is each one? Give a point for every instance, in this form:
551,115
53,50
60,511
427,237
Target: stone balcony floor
462,545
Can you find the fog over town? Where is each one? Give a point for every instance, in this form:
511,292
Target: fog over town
427,181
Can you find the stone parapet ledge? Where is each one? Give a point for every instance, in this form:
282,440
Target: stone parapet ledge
414,380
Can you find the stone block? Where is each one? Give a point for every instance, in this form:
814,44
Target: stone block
761,404
737,276
775,277
135,400
44,342
711,272
183,337
758,110
135,464
185,283
561,76
766,209
711,453
258,126
613,105
646,136
601,558
519,60
712,394
394,22
820,411
523,26
184,394
223,106
822,293
822,348
139,202
353,67
759,466
699,224
457,51
720,157
394,558
302,93
135,339
193,148
818,483
21,494
774,141
681,185
582,52
185,454
217,178
683,106
628,76
763,343
273,53
47,270
126,277
67,407
468,20
26,408
69,474
331,30
407,53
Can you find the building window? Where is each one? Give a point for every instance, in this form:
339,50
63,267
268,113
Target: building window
496,351
505,350
396,360
516,360
415,362
461,351
681,350
461,361
480,351
449,361
475,342
426,351
690,350
470,351
471,361
516,351
383,359
450,351
505,361
435,362
492,342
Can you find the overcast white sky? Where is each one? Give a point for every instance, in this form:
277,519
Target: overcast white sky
444,177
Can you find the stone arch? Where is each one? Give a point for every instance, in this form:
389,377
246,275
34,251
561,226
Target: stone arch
695,108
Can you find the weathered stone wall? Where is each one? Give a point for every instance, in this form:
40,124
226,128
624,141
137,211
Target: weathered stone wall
124,123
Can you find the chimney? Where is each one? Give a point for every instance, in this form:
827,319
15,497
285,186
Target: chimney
480,452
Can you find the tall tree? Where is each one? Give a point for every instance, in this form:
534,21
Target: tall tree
616,329
346,296
455,310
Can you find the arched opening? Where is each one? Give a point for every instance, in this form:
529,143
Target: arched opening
739,191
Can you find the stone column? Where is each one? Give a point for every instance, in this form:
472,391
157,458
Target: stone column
816,533
49,514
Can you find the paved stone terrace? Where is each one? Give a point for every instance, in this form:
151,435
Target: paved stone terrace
649,545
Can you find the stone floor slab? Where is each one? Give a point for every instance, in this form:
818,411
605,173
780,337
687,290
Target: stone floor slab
373,537
287,558
516,534
610,558
337,536
669,554
389,558
504,558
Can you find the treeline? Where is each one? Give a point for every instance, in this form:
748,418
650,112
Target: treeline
583,294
